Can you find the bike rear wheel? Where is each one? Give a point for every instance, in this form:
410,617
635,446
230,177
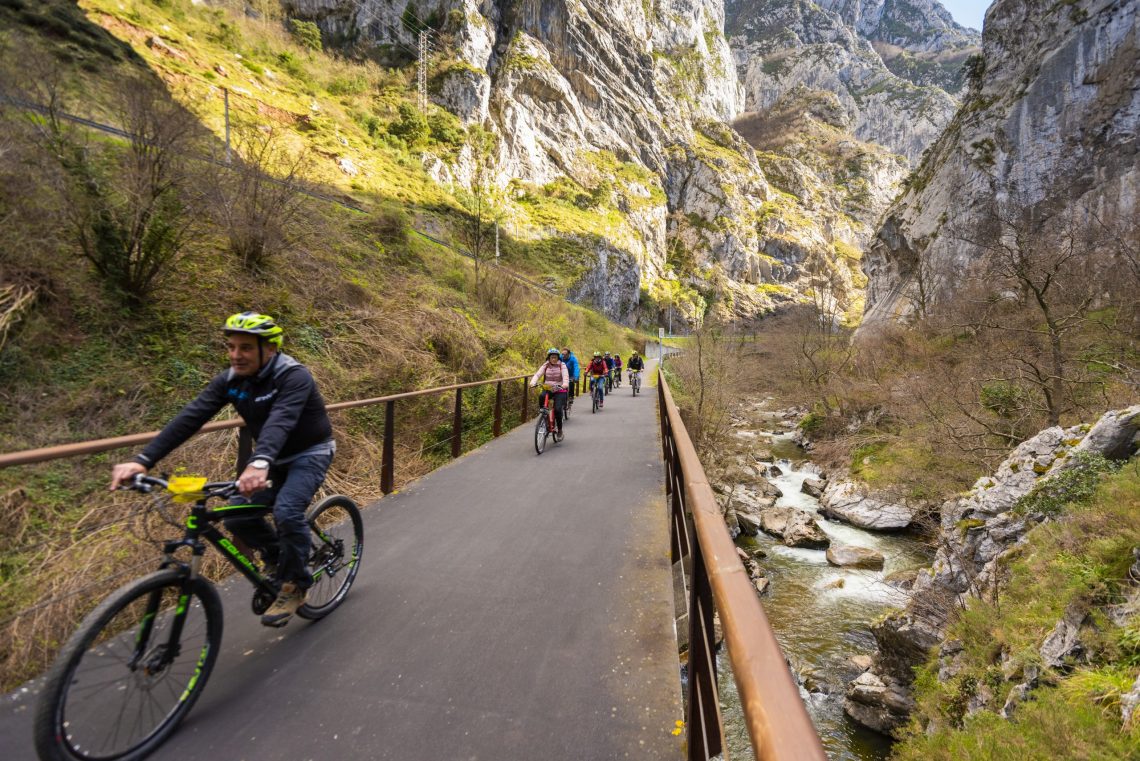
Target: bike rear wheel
122,683
334,559
541,431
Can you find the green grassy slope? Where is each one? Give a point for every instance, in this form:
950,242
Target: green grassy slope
1080,561
370,307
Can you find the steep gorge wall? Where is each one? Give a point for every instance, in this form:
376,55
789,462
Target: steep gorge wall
1049,126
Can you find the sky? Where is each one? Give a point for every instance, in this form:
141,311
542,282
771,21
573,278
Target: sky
967,12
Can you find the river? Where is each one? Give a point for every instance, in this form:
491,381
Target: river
821,614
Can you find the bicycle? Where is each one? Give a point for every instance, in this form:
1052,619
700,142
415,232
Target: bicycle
547,424
596,393
609,381
617,377
635,381
137,663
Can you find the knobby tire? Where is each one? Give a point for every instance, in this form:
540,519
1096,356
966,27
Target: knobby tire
91,685
337,533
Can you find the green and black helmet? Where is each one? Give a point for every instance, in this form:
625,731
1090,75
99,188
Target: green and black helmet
261,325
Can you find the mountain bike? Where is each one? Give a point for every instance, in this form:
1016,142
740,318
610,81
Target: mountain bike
617,377
609,381
635,381
137,663
547,426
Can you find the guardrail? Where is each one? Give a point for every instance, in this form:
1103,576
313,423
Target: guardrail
778,722
387,457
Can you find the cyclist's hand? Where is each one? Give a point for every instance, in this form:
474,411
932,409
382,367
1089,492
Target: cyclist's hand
252,480
125,472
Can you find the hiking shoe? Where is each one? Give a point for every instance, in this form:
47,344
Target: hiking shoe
289,599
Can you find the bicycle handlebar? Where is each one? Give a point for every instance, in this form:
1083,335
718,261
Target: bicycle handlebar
146,484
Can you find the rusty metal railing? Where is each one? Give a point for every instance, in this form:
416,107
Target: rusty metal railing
715,580
387,457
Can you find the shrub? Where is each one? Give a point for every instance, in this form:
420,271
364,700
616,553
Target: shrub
411,127
306,33
1072,486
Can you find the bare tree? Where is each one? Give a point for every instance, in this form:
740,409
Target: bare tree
128,207
477,230
257,200
1038,282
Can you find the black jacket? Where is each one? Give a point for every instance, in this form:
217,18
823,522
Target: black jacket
636,363
281,407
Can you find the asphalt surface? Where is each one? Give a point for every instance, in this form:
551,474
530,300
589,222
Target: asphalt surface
508,606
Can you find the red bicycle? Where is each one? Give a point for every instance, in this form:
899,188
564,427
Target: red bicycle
547,426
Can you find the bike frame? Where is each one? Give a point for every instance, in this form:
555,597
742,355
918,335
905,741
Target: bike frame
199,526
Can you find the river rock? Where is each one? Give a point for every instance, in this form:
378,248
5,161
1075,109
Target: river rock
902,580
761,584
848,502
849,556
732,522
773,471
873,702
813,487
861,662
797,528
749,523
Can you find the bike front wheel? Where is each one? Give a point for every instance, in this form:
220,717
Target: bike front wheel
337,531
131,672
541,431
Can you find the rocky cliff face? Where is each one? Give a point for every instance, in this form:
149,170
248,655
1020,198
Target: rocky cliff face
1048,128
598,93
782,45
978,533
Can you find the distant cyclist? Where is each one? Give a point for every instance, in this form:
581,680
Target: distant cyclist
597,372
573,368
553,372
282,408
636,362
617,369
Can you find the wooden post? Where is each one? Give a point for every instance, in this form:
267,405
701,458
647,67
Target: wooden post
523,406
457,424
387,457
498,430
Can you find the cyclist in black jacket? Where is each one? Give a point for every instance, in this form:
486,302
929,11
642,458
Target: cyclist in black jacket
279,401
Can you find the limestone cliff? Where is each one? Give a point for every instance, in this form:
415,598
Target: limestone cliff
1048,127
624,105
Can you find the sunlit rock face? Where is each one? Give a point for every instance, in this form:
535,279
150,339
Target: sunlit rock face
784,44
1047,127
567,86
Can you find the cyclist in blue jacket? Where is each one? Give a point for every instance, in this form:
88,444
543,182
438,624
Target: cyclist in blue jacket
571,363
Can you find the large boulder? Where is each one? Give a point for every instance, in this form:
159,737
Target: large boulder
797,528
883,705
851,503
849,556
813,487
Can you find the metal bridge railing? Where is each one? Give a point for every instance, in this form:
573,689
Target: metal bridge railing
387,457
715,580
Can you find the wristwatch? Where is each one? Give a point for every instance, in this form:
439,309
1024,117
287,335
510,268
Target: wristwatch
260,464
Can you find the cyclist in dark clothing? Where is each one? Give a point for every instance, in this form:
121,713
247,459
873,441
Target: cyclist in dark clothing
279,401
635,362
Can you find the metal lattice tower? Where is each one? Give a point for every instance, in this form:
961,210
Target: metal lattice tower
423,70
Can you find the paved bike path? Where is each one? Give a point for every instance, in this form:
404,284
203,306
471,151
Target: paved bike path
509,606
